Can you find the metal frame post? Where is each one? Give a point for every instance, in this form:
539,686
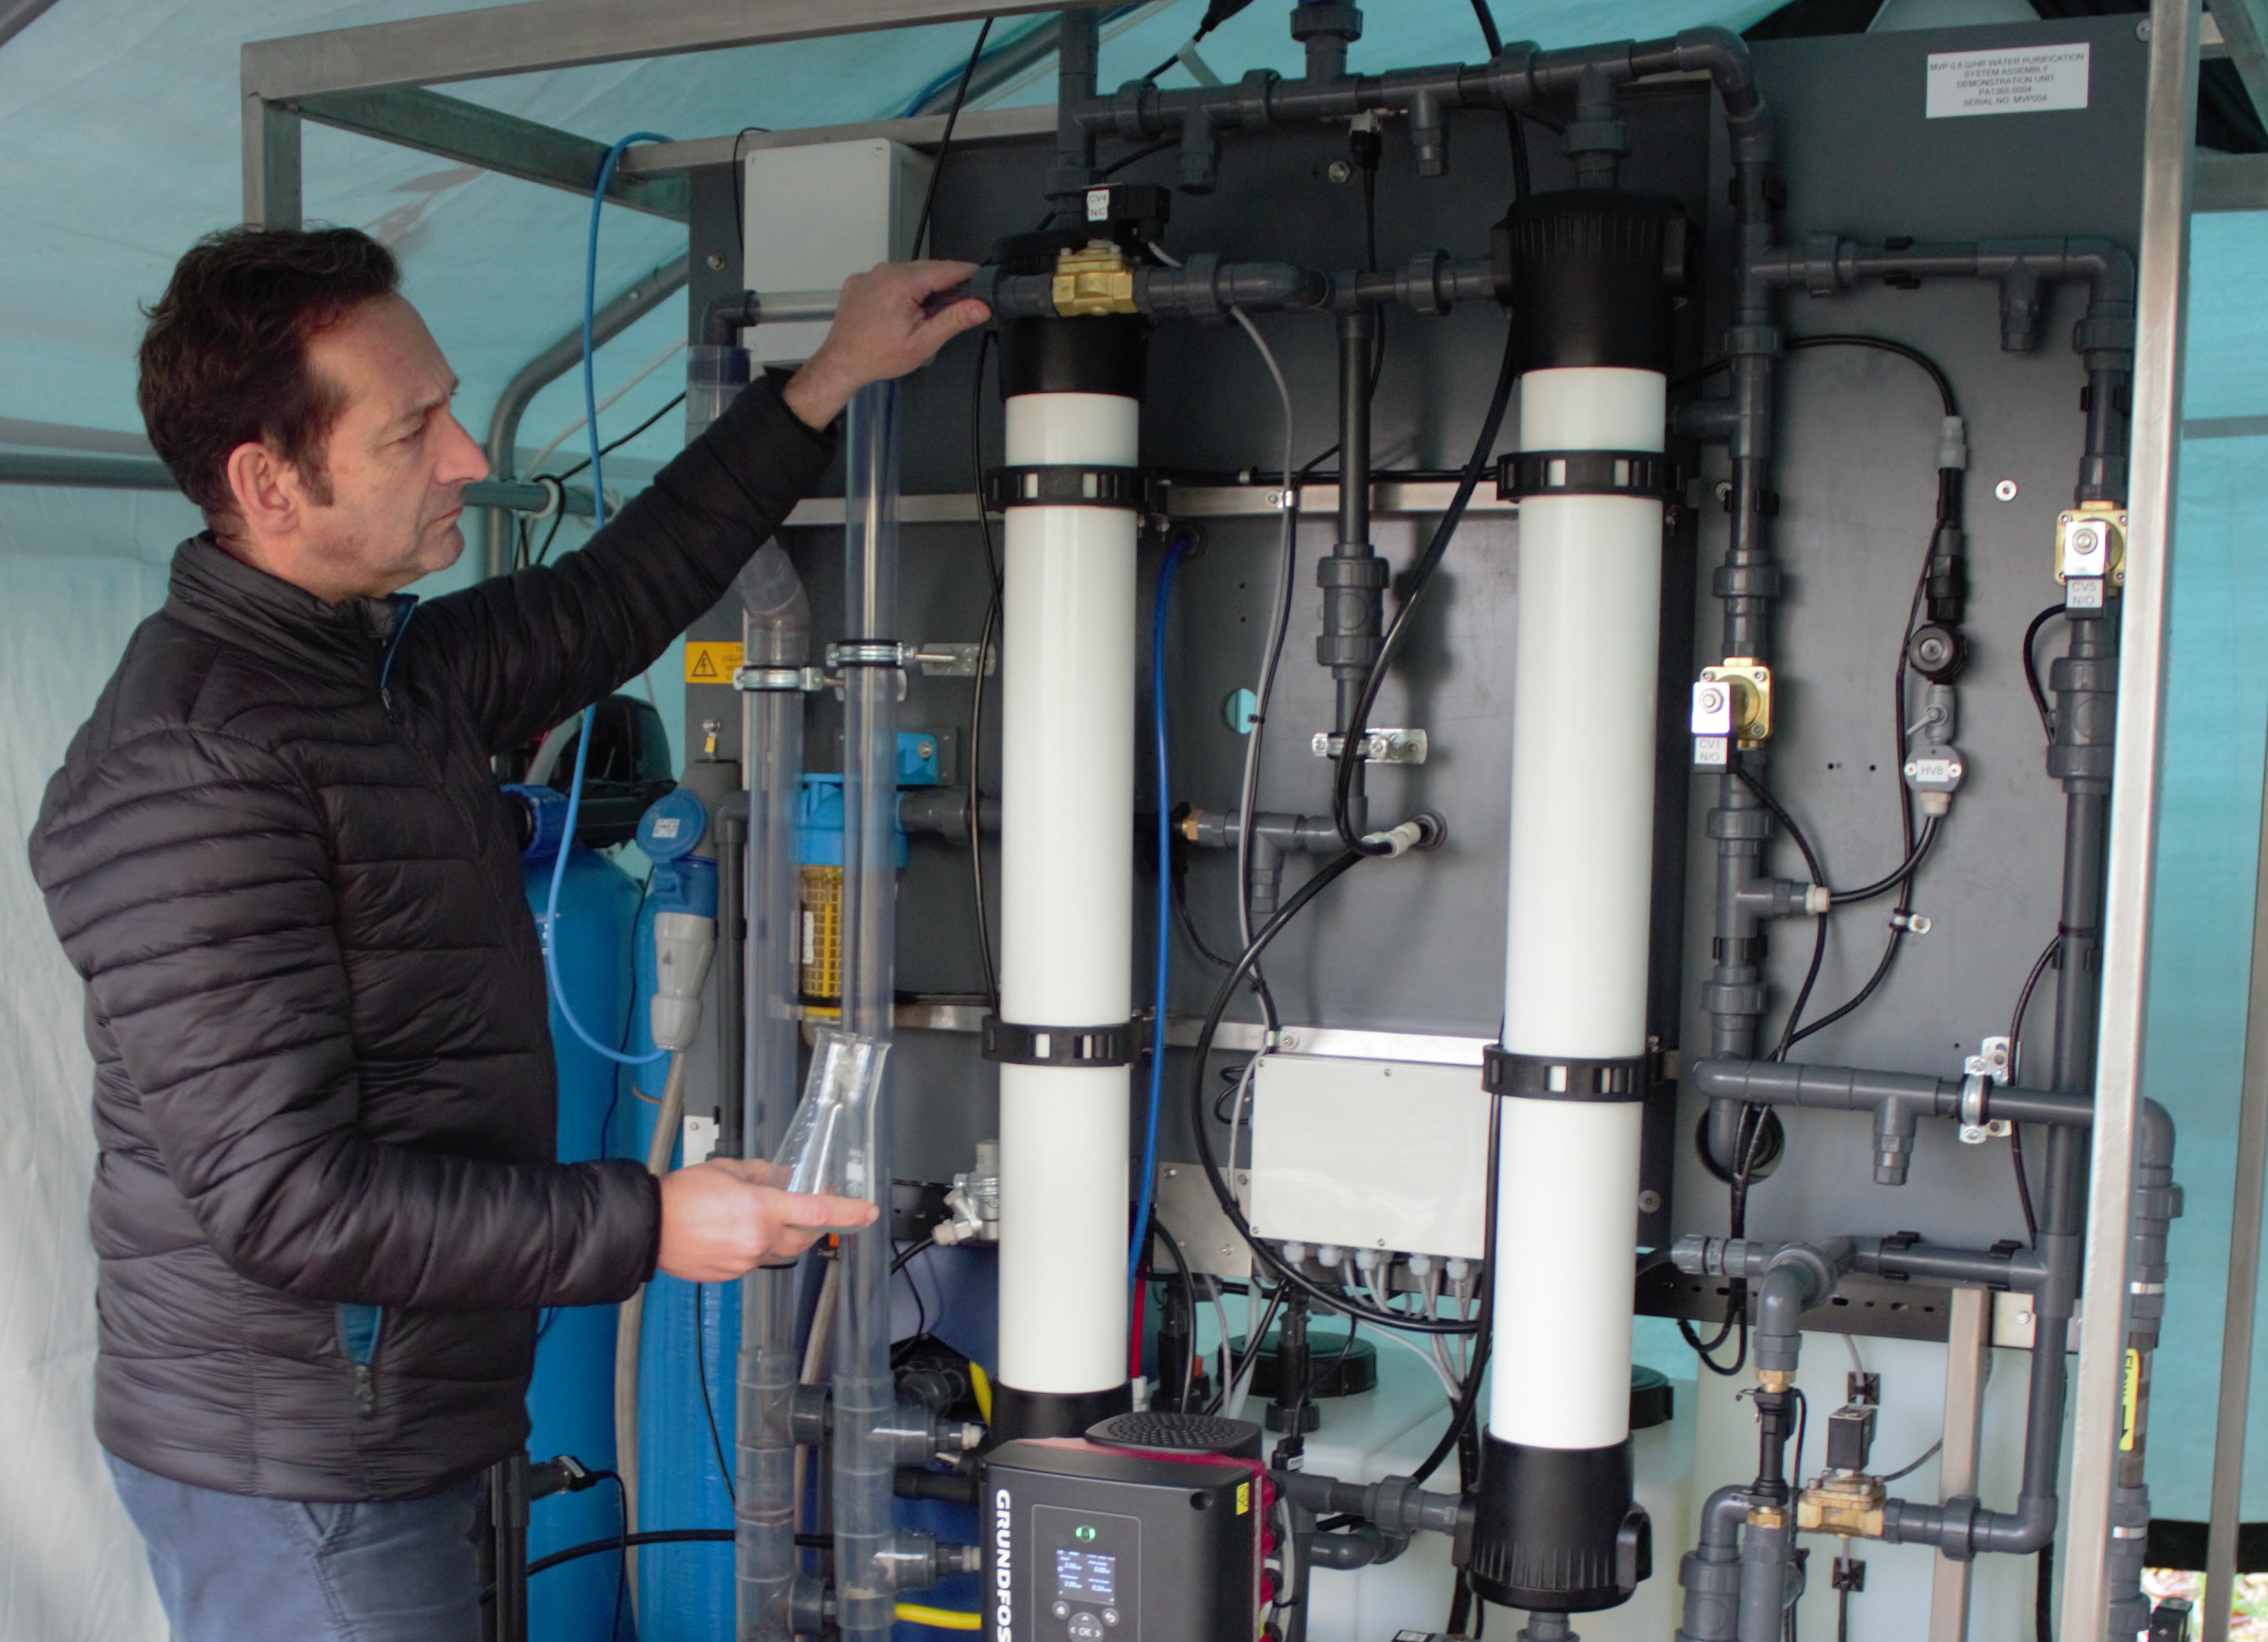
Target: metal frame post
2230,1421
2167,125
1968,1357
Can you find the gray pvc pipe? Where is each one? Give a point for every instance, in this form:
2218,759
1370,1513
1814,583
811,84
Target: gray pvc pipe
639,299
1710,1571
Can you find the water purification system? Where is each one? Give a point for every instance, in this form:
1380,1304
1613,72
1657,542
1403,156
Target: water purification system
1563,994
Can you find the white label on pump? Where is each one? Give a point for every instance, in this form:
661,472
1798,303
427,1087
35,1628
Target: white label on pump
2032,79
665,827
700,1140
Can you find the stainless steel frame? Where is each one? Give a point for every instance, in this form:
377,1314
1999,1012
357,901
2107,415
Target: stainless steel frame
2161,298
309,76
371,79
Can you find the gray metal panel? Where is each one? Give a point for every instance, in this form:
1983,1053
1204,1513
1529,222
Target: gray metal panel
1416,946
564,33
1858,484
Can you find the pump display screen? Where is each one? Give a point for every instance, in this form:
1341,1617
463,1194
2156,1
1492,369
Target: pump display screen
1087,1576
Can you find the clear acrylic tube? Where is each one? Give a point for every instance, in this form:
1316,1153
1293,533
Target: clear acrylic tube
776,631
830,1146
865,1394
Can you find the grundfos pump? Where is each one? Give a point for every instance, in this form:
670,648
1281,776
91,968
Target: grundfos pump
1590,274
1062,1036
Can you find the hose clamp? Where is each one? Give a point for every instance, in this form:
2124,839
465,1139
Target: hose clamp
1646,475
1983,1073
1563,1078
796,679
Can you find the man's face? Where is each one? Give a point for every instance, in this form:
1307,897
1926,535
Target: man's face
398,460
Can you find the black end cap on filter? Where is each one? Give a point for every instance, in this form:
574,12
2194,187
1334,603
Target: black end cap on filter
1590,276
1101,353
1557,1528
1019,1414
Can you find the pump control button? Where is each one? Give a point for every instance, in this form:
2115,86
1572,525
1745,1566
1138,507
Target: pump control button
1110,1616
1062,1610
1086,1627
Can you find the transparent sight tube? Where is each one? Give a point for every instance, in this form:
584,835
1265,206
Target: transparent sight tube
776,631
864,1394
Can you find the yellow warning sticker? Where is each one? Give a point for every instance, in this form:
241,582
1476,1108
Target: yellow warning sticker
710,661
1243,1499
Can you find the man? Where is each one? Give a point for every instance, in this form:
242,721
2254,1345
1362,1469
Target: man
324,1207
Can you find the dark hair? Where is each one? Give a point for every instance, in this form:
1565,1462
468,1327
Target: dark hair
224,360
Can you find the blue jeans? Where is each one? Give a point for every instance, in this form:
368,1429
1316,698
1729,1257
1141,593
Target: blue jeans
233,1568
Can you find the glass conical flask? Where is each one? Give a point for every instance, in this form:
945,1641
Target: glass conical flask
830,1146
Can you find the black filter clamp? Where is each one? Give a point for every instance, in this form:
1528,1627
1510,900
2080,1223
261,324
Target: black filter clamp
1647,474
1013,1044
1068,484
1561,1077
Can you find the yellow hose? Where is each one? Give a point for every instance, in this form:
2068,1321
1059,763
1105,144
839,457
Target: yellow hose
940,1618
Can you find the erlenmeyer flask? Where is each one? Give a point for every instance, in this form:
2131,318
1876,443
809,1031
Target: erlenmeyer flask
830,1146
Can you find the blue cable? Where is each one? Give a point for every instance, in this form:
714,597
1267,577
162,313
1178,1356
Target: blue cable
1174,552
590,714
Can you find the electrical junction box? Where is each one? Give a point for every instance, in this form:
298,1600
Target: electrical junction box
1093,1543
818,213
1383,1155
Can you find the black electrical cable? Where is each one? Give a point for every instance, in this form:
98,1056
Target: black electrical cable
1908,1469
1216,13
1897,876
1802,1425
2015,1043
1874,981
1188,924
1141,153
2032,670
560,516
973,811
1522,186
1819,934
898,1264
707,1403
2043,1595
1322,880
613,446
656,1536
1420,579
1469,1392
1190,1295
945,143
911,1251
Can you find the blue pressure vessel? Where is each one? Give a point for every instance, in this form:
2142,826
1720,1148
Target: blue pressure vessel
571,1402
689,1355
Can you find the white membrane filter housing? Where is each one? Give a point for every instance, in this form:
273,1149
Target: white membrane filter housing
1066,900
1578,915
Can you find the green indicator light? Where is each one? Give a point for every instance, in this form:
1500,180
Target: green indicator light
1084,1533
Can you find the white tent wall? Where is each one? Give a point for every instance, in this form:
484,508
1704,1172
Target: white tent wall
81,569
131,109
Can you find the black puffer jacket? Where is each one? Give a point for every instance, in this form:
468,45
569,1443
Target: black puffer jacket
324,1092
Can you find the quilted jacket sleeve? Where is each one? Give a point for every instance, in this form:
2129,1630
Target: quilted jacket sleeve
186,874
530,648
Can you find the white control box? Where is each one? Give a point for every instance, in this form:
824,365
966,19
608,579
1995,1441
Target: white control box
818,213
1387,1155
